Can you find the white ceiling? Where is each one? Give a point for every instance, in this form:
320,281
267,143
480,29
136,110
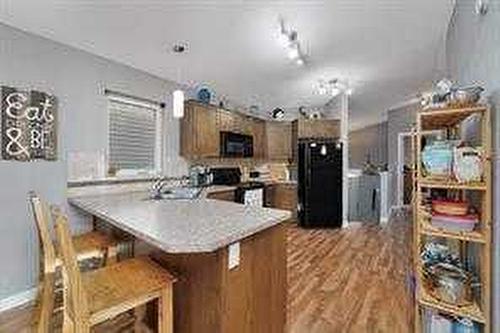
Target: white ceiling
387,49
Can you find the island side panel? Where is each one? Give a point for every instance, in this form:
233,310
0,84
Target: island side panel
198,290
255,291
250,298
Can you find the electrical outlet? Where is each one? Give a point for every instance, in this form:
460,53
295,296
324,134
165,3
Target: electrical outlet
234,256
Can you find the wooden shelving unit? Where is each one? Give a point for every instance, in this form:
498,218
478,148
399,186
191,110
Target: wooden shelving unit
449,120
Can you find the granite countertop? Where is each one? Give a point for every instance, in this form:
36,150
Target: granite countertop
180,226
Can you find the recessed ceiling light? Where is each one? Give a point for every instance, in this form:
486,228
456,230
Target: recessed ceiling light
179,48
293,52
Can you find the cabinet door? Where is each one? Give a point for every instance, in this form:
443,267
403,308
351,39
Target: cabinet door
279,141
187,132
223,195
206,132
285,197
318,128
225,121
245,124
269,196
258,130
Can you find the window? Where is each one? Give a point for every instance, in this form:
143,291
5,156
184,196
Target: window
135,136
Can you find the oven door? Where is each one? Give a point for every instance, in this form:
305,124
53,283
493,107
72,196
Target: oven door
235,145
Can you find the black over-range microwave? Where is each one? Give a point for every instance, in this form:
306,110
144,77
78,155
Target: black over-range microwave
235,144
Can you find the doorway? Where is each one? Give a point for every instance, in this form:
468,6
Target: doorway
406,165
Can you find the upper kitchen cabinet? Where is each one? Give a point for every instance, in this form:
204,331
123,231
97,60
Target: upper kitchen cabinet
226,121
279,141
202,124
317,128
199,131
313,128
259,138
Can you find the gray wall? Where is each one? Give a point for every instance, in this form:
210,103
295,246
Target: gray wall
76,78
399,120
370,140
473,56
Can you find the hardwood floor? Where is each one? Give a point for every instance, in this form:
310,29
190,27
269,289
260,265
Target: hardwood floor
349,280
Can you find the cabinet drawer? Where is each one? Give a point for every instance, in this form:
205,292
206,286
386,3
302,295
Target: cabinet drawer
222,195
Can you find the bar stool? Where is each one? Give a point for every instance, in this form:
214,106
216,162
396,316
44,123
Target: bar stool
88,245
96,296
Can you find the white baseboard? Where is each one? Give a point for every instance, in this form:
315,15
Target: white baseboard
17,300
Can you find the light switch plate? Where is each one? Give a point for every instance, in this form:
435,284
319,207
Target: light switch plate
234,255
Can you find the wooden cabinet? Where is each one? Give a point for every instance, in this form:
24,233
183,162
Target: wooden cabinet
222,195
279,141
313,128
258,129
317,128
285,196
281,196
202,124
225,120
269,196
273,140
199,132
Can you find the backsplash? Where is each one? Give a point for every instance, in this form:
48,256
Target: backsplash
268,170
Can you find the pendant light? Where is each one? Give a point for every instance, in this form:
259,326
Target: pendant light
178,104
178,95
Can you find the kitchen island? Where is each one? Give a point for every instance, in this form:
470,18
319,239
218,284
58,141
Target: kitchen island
229,259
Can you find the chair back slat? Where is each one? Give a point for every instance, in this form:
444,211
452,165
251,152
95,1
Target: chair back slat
42,218
75,301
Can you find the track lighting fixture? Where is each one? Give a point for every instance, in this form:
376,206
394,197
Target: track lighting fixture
333,87
288,39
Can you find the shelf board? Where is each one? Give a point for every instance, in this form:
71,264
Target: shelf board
452,185
470,236
443,118
472,311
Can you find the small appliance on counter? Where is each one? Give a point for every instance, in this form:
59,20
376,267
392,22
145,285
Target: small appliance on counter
226,176
199,175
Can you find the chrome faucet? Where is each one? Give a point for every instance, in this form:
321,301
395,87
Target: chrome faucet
157,187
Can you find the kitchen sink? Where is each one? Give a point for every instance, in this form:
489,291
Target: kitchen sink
174,193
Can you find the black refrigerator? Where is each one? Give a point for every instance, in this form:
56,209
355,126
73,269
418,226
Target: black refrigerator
320,183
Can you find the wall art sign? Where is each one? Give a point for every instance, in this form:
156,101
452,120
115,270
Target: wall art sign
28,125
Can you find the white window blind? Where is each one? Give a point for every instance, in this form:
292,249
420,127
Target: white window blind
134,135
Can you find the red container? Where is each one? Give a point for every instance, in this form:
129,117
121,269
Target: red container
455,208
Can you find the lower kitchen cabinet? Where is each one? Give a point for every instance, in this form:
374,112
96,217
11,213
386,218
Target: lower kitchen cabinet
222,195
281,196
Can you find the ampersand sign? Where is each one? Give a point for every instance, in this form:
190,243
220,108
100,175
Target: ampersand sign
28,125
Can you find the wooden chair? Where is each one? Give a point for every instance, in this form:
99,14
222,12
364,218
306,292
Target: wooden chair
89,245
96,296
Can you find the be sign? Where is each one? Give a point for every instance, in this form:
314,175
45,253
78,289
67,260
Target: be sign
28,125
